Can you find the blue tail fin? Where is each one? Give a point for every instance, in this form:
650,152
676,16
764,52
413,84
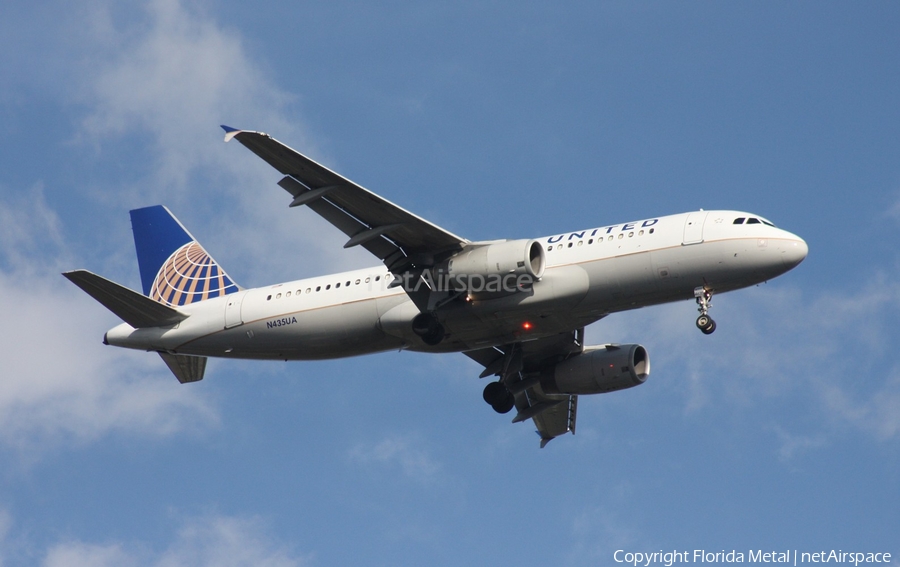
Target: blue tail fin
175,269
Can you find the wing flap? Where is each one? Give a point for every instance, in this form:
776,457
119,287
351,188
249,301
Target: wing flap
557,419
135,309
340,219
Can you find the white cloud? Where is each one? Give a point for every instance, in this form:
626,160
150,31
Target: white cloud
167,80
59,382
220,541
403,452
5,526
78,554
158,81
791,444
226,541
176,74
893,211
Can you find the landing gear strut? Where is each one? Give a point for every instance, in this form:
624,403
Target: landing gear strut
428,328
704,301
498,397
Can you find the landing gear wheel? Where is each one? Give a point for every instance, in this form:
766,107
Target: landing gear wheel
506,405
435,337
426,326
704,302
706,324
494,393
498,397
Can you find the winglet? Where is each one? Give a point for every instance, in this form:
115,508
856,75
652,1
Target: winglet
230,132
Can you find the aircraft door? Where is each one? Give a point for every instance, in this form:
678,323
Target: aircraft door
233,303
693,228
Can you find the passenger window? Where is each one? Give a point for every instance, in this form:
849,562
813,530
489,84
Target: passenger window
752,221
309,290
348,284
288,294
651,230
591,241
357,282
630,234
299,291
377,278
610,237
327,287
559,246
367,280
269,298
580,242
621,236
641,233
550,249
278,296
569,246
337,285
739,220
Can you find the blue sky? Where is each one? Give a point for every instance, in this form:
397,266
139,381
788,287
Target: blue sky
493,120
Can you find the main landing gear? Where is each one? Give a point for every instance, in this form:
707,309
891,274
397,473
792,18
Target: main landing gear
427,326
704,301
498,397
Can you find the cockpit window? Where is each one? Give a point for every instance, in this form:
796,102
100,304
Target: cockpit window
739,220
752,221
767,223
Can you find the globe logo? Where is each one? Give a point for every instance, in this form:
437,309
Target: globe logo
188,276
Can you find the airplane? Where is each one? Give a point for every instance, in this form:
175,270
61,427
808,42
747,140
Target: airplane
516,307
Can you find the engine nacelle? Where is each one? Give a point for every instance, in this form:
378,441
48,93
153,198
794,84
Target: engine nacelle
505,264
597,370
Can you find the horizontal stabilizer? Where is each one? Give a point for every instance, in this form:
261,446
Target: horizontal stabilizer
135,309
185,368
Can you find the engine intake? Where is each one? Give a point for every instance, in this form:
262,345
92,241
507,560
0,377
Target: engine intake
597,370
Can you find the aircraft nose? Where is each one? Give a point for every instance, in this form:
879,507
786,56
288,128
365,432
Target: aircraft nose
794,252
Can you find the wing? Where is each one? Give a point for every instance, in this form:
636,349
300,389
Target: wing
519,367
402,240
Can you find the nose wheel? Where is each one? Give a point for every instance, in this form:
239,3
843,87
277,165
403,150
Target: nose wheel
706,324
704,301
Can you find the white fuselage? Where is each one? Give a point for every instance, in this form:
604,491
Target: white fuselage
588,275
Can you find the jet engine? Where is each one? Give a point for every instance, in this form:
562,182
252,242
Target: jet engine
506,263
597,370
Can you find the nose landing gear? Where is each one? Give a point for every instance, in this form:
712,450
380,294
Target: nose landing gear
704,301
